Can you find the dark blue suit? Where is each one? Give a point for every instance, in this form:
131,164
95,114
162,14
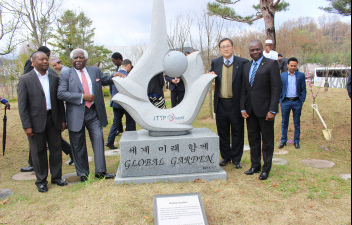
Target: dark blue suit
119,111
177,91
296,105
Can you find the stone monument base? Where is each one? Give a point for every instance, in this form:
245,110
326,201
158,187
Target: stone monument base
148,159
221,175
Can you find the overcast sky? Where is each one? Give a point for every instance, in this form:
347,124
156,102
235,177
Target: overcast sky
127,22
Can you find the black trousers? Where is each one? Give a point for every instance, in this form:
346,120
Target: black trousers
230,125
66,148
261,131
117,123
39,154
176,97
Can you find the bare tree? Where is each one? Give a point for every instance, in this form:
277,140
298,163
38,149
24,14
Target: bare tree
180,31
9,30
36,15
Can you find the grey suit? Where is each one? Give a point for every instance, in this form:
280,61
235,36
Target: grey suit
283,64
80,117
46,125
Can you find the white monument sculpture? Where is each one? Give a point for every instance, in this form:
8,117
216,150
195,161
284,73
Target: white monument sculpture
133,95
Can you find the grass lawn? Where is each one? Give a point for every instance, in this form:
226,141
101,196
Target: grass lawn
294,194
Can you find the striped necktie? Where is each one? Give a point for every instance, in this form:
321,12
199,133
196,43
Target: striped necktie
85,88
254,72
227,62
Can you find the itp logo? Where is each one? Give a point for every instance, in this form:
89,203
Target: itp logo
171,117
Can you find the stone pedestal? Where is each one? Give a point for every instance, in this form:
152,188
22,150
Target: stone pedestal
146,159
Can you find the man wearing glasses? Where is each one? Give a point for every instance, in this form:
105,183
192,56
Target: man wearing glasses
229,71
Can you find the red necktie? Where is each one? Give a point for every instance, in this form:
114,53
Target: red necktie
85,88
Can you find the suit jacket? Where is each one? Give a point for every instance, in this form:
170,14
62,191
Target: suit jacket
156,85
32,103
28,68
114,91
71,91
264,96
180,86
300,85
283,65
237,78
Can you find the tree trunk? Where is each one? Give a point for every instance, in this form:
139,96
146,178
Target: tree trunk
268,11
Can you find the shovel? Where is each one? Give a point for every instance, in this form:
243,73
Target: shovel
4,133
327,132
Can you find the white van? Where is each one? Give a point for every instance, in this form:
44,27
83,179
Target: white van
337,77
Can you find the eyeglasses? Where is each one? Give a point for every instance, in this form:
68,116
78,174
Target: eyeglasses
226,47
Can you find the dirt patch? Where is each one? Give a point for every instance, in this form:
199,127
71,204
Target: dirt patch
207,119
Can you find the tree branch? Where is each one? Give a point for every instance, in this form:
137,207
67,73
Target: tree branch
227,2
276,3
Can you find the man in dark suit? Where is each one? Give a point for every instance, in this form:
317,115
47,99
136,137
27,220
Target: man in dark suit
260,97
283,63
293,96
43,120
81,88
229,71
177,88
117,59
119,111
65,146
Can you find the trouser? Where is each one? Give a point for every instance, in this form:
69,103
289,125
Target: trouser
261,131
230,125
39,154
79,146
286,107
118,114
176,97
66,148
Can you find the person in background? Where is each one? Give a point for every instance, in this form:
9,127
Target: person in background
28,64
156,91
269,52
119,111
293,96
57,64
349,86
43,119
261,89
187,53
283,62
117,59
177,88
228,83
5,102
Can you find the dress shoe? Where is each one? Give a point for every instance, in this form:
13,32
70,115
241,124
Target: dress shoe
297,146
43,188
282,145
27,169
71,163
111,146
83,179
252,171
119,132
237,165
105,176
224,162
61,183
264,176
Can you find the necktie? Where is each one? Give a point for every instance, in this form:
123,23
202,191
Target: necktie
227,62
85,88
254,72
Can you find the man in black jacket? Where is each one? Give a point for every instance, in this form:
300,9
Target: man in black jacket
260,97
156,91
177,88
43,120
229,71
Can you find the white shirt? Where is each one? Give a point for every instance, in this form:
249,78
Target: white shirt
271,55
44,81
230,59
90,86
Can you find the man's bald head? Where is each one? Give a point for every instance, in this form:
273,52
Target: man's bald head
256,50
40,62
256,42
37,54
